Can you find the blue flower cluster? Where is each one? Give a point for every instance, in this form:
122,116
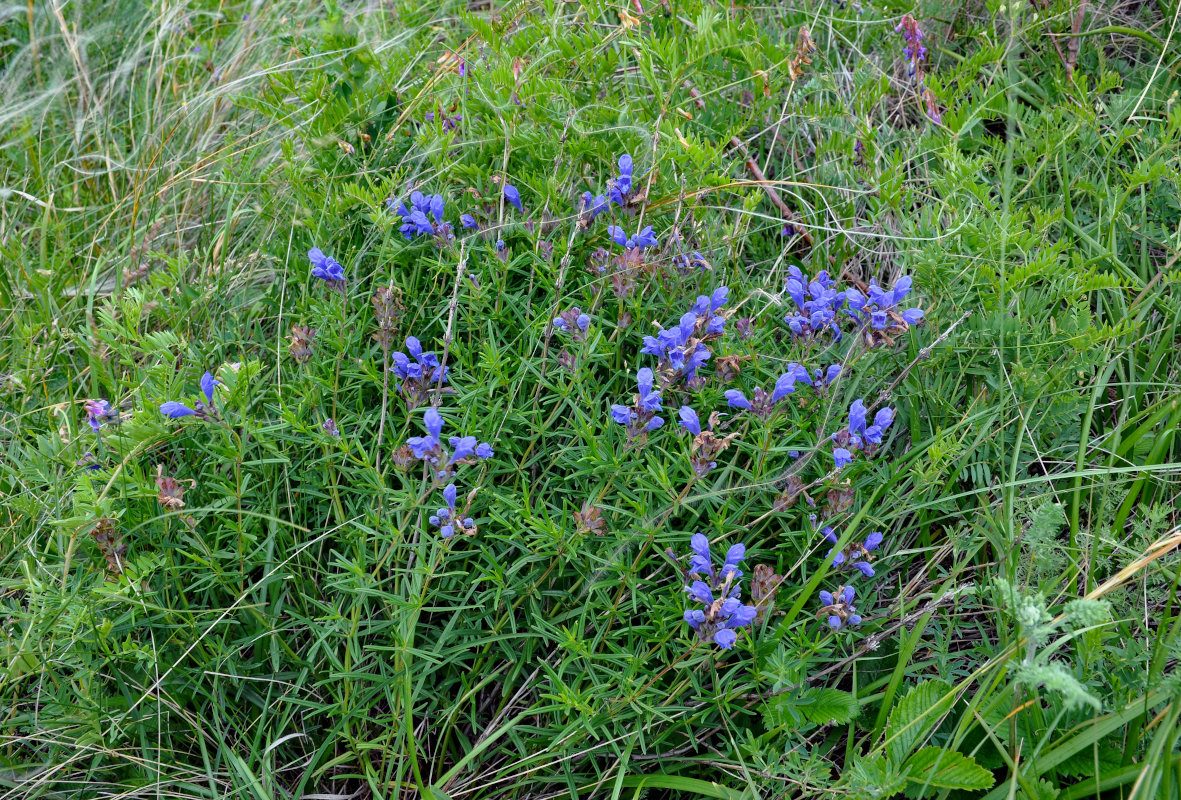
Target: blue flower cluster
174,410
817,303
859,436
448,520
430,448
619,190
419,377
763,404
878,308
423,218
858,555
681,349
719,592
838,608
591,206
327,269
643,238
641,416
573,322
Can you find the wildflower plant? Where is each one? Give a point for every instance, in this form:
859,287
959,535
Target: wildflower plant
718,590
420,375
174,409
706,444
327,269
641,417
432,451
682,349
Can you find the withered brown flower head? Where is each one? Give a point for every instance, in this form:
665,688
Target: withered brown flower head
301,343
110,544
590,519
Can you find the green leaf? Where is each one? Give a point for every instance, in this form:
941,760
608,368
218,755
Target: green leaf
818,706
936,768
914,716
824,706
873,779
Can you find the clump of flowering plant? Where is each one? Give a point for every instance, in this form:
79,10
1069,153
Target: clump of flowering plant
763,404
817,303
718,590
327,269
573,322
430,450
175,410
837,609
423,218
448,520
857,555
640,417
858,435
418,378
877,309
707,445
682,349
619,188
589,207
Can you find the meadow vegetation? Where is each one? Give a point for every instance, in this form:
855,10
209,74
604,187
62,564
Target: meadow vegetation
562,398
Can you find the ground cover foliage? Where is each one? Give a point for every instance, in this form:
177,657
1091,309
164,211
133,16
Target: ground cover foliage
335,337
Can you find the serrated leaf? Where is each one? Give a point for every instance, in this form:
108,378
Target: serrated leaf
824,706
915,715
873,779
936,768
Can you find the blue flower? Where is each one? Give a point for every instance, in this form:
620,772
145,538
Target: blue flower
649,400
468,222
621,186
416,220
857,555
426,447
842,457
208,382
590,206
876,306
175,410
724,611
513,196
617,235
681,348
700,561
325,267
417,378
447,519
736,399
838,610
690,421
